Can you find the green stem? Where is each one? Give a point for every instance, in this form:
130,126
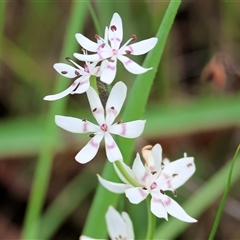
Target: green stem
2,17
44,164
125,174
224,198
151,220
93,83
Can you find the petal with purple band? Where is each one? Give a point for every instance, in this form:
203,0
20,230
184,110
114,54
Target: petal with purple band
109,73
136,194
112,150
115,33
128,130
95,105
181,169
174,209
86,43
63,93
75,125
131,66
84,84
115,101
66,70
89,151
158,209
113,187
141,47
139,170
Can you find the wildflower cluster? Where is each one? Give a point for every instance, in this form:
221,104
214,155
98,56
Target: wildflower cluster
157,175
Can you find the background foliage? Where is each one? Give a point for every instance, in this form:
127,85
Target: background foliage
193,107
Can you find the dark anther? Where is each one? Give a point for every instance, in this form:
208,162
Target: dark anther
153,172
144,188
112,108
189,165
84,120
91,135
113,28
94,110
128,52
162,192
103,45
134,37
119,121
77,73
174,174
68,59
97,37
175,193
111,60
64,72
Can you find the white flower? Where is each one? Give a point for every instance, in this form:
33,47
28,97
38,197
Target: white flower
119,226
80,74
113,51
165,178
106,127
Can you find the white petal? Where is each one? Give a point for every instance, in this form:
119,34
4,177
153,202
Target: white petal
115,32
136,195
179,171
109,72
115,101
86,43
83,86
61,94
112,150
75,125
131,66
89,151
128,130
158,209
86,238
174,209
157,157
93,57
139,170
66,70
141,47
96,105
129,226
113,187
115,224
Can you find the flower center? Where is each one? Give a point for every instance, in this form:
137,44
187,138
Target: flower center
86,69
153,185
114,51
104,127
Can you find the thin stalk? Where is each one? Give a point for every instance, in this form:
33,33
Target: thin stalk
224,198
2,17
151,220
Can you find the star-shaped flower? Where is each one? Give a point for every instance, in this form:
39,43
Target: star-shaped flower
106,127
119,225
113,51
155,183
80,74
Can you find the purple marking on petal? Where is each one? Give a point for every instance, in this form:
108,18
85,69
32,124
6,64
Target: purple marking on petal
100,56
157,200
123,129
111,146
131,49
128,61
95,145
144,177
111,67
168,182
85,127
117,39
168,202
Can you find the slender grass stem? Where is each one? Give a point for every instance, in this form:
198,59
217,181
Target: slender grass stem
151,220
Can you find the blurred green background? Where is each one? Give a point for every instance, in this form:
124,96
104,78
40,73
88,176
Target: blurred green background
193,108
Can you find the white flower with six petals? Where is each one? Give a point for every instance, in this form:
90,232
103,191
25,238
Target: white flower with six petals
156,182
119,225
113,51
106,127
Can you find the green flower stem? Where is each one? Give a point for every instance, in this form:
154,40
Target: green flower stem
151,221
93,83
44,164
135,107
224,198
2,17
121,169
